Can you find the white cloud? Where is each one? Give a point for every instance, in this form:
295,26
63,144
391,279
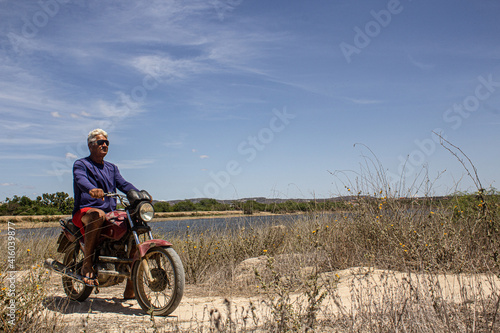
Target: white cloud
17,125
134,164
173,144
204,156
420,65
123,106
168,68
58,172
181,47
30,108
27,141
71,156
29,157
363,101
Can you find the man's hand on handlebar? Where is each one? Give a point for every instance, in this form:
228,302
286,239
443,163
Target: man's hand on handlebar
97,193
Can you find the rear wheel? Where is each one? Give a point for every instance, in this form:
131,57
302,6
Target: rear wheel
161,292
74,289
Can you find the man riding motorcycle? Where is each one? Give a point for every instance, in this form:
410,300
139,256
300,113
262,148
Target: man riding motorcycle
92,178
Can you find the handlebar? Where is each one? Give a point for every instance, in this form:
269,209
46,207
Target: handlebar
137,195
123,199
111,194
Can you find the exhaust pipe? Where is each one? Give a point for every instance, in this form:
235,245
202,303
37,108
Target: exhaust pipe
59,268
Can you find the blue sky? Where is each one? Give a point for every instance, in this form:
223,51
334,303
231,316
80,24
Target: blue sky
238,98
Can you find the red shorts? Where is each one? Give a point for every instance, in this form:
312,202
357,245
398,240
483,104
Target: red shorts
77,219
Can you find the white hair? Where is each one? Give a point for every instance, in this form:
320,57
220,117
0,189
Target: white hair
94,133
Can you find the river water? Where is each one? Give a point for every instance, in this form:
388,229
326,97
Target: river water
170,228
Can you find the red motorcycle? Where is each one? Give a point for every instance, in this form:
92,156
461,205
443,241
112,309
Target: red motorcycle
154,267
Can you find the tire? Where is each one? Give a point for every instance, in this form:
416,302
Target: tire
164,293
74,289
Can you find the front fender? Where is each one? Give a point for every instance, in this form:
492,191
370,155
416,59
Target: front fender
144,247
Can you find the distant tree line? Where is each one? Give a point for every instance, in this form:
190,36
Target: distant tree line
249,206
189,206
59,203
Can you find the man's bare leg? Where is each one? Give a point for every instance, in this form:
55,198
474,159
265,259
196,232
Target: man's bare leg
129,290
93,221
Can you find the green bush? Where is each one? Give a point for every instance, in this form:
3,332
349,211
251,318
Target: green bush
184,206
162,206
46,204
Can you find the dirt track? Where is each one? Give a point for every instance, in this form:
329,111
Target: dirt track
107,312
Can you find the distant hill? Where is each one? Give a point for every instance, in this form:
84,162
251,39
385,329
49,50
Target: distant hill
264,200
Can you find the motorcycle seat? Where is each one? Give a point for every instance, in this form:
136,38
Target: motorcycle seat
67,224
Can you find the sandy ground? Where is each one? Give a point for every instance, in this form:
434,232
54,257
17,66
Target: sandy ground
107,312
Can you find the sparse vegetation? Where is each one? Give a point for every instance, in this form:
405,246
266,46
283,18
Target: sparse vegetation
59,203
26,280
422,238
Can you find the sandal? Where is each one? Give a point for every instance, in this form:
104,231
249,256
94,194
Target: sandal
90,279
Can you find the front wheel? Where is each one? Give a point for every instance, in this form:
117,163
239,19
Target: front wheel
160,291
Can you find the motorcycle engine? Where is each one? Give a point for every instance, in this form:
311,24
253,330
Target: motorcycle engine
110,280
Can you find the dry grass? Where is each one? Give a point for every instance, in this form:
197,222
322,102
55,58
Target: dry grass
23,298
413,251
383,233
416,244
31,218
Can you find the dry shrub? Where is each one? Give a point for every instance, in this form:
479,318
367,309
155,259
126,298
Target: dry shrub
388,301
387,233
23,302
209,253
24,283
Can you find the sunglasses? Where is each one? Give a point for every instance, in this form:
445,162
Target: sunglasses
101,142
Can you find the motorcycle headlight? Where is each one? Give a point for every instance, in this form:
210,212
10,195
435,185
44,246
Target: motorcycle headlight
146,211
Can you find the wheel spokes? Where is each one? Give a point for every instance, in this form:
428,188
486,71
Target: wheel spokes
159,290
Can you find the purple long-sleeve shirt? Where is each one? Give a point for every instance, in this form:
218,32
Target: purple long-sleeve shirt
88,175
